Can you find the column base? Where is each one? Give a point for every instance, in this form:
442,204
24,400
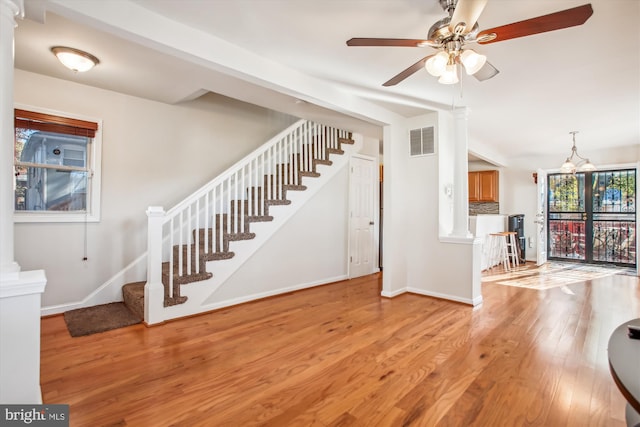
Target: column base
20,337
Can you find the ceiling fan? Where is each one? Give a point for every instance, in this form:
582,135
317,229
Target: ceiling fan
452,33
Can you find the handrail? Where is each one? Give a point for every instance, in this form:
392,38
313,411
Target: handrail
235,166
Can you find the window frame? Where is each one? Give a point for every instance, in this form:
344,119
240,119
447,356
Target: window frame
94,181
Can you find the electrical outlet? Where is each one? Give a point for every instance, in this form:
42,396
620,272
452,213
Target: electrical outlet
530,242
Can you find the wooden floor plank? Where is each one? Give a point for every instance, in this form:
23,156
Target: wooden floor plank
341,355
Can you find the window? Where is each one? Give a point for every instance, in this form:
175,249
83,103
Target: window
56,161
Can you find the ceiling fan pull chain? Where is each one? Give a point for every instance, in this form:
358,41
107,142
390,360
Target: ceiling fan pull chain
459,69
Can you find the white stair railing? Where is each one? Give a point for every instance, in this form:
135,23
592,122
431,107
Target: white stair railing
199,228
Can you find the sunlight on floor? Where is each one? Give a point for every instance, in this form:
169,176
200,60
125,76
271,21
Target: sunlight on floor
549,275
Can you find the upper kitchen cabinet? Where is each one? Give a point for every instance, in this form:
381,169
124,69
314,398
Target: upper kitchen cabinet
483,186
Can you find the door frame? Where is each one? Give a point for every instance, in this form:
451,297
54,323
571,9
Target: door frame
376,212
541,218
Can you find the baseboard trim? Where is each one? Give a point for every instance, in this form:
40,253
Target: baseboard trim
472,302
275,292
393,293
52,310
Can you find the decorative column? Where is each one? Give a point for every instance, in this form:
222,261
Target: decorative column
20,292
9,9
460,171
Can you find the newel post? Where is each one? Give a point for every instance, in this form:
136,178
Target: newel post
154,289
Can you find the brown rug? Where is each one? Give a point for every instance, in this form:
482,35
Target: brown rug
100,318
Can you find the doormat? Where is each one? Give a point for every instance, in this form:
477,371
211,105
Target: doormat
551,275
99,318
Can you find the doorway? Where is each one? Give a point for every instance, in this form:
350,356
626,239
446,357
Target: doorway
362,216
592,217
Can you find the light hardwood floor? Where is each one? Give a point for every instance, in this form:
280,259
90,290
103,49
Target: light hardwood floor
341,355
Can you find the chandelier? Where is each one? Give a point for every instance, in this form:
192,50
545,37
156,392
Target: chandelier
579,164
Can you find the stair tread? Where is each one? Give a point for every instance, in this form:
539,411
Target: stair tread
277,202
135,287
295,187
259,218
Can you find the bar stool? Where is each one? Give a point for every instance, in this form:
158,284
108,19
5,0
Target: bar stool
498,251
513,249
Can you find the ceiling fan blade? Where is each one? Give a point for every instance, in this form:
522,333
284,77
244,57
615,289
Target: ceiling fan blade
542,24
406,73
360,41
466,12
486,72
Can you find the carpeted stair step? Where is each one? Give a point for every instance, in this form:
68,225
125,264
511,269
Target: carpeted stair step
133,297
198,267
230,233
272,182
223,252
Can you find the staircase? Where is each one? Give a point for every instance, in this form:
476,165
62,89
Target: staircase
189,243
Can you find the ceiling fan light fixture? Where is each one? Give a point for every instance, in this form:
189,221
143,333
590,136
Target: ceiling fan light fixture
450,76
75,59
437,64
472,61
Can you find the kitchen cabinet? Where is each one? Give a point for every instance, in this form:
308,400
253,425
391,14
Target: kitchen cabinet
483,186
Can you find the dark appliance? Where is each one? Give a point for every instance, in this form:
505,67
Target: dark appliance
516,223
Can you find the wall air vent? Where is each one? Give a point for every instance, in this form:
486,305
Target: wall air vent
422,141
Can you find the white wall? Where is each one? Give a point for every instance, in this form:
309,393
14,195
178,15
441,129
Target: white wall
153,154
397,190
518,195
424,260
309,249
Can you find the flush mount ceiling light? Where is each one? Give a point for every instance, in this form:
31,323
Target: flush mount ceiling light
582,164
75,59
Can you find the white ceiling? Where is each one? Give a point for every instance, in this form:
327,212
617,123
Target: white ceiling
585,78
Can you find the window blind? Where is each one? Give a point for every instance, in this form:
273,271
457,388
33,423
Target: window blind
52,123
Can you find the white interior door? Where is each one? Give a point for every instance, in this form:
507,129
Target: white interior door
541,218
362,221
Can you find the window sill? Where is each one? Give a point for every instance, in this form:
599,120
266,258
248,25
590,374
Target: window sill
54,217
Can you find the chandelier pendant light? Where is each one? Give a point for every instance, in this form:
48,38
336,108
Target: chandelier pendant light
575,162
